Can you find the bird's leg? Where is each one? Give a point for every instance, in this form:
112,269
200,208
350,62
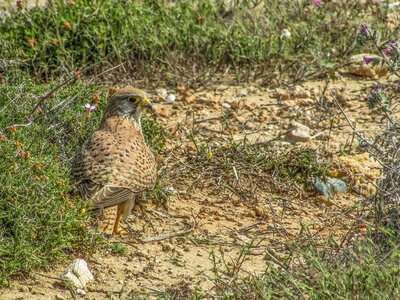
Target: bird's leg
120,212
107,220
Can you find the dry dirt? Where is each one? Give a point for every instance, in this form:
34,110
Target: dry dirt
222,220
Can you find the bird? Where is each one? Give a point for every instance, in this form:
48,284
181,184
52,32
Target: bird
115,165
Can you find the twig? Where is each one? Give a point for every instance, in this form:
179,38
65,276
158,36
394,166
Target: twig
48,276
51,92
168,235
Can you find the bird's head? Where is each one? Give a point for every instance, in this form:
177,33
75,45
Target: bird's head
128,102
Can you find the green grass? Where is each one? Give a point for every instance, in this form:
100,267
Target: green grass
155,37
41,217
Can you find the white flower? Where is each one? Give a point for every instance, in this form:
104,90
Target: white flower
285,34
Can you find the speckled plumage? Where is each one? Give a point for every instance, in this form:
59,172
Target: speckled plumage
115,164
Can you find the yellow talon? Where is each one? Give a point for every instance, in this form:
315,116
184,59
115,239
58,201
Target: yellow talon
120,231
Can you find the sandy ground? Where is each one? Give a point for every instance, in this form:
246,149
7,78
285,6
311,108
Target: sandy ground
214,220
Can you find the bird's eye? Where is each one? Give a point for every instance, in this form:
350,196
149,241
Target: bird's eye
133,99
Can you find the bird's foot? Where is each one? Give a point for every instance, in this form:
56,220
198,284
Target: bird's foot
120,231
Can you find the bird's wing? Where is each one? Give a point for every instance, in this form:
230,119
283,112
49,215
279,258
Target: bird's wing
104,196
95,161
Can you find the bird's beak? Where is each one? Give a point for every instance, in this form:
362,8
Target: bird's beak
146,103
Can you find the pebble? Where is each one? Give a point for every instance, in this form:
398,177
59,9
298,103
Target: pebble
166,247
80,292
226,105
243,93
300,92
299,133
281,94
170,190
171,98
162,112
190,98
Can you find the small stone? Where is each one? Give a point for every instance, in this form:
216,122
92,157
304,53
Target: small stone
238,104
226,105
300,92
162,111
260,212
289,103
59,297
281,94
190,98
240,119
170,190
171,98
298,133
166,247
305,102
243,93
80,292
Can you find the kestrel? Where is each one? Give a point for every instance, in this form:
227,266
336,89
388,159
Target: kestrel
115,165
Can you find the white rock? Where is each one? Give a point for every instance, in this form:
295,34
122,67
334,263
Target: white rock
170,190
171,98
80,292
298,133
226,105
243,93
78,274
394,5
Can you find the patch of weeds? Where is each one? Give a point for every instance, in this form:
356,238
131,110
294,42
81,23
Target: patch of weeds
302,165
239,35
364,272
119,249
42,220
252,171
175,260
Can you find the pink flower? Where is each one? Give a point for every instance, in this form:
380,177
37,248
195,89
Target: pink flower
316,2
388,52
89,107
368,60
363,28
